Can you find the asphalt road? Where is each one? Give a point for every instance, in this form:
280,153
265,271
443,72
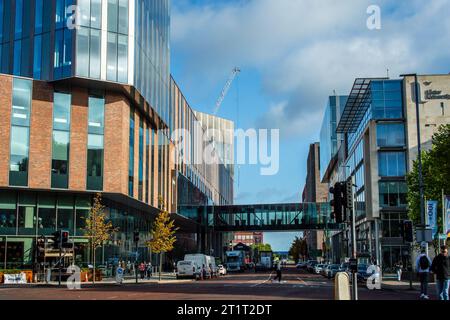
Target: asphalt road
295,285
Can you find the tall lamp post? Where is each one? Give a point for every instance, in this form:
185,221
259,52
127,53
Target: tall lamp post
419,150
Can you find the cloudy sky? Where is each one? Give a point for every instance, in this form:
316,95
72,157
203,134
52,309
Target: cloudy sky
293,54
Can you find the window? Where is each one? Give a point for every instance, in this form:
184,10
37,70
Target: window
391,164
141,159
95,45
61,140
83,52
111,64
95,143
21,103
131,156
391,135
393,194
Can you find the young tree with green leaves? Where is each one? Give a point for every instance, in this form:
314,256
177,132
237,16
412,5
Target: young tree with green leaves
97,227
163,235
436,172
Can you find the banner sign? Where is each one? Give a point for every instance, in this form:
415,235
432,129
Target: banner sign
20,278
432,216
447,214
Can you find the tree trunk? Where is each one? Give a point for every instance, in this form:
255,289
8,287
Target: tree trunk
93,273
160,265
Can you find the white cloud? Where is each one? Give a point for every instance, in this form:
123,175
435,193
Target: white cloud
305,49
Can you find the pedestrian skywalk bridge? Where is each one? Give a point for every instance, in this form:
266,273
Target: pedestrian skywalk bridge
266,217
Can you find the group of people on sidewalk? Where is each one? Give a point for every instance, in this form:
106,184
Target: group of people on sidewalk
146,270
440,266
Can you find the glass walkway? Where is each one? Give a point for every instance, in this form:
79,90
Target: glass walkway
268,217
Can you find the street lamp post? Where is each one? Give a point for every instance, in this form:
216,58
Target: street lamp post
419,150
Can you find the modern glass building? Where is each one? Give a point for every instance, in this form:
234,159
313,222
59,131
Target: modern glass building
88,105
330,140
373,125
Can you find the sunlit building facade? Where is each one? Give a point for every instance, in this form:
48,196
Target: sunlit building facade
89,106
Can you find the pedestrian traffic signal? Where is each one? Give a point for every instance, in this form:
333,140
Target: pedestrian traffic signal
408,231
337,202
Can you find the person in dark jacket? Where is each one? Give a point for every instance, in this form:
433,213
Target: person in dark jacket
441,267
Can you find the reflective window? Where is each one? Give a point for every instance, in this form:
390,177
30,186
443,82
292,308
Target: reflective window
111,64
391,134
61,140
95,143
131,156
83,52
391,164
141,160
21,103
95,45
95,162
393,194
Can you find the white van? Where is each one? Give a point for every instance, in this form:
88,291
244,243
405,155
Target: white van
203,260
187,269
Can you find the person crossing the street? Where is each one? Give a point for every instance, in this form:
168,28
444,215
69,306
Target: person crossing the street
423,264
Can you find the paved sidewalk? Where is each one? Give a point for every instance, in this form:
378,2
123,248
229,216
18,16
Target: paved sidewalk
166,278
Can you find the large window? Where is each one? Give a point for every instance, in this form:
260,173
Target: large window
21,104
387,100
95,143
131,156
61,140
391,164
141,160
393,194
391,135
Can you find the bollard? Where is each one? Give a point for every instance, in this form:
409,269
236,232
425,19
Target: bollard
342,286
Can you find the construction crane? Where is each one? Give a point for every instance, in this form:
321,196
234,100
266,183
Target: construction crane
225,89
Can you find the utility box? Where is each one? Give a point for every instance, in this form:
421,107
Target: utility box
342,286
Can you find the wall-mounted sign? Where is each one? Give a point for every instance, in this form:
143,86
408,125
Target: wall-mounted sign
436,95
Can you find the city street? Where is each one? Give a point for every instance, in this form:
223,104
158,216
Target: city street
296,285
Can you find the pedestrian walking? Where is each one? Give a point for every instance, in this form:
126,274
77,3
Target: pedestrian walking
441,268
142,270
423,264
399,270
278,270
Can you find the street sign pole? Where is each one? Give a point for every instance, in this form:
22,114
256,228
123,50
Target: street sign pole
60,256
354,248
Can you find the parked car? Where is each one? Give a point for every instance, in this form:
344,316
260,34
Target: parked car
222,270
362,272
325,270
332,270
318,268
311,264
301,265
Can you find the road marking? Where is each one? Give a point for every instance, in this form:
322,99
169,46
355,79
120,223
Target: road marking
270,278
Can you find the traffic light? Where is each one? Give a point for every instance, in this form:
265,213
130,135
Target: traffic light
348,195
136,237
408,232
56,237
61,239
65,239
337,202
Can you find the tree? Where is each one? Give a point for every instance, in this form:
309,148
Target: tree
435,171
97,227
163,235
261,247
299,249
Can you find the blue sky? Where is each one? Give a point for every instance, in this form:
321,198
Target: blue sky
293,54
